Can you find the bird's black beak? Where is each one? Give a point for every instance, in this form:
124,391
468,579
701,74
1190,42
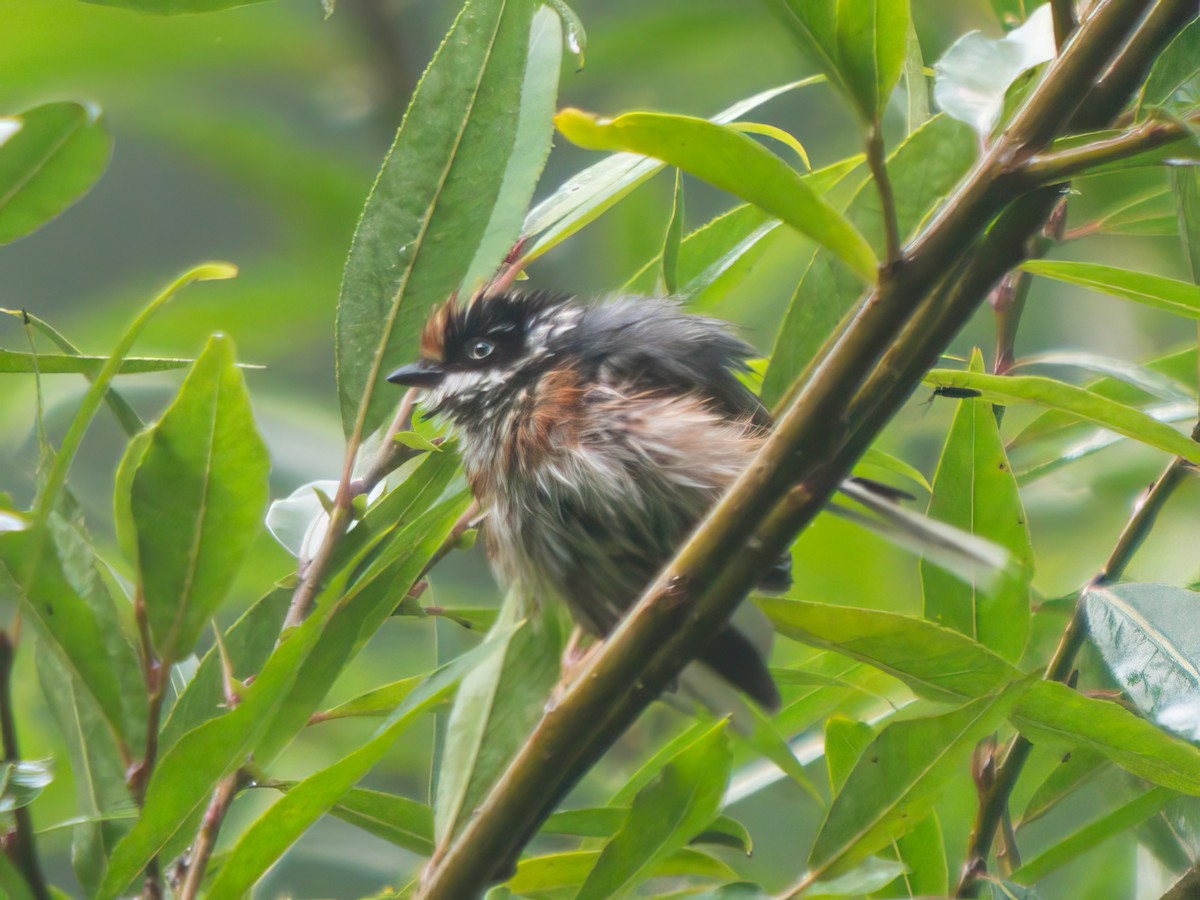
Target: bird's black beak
423,374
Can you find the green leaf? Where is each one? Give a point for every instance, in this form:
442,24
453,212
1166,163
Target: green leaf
1062,718
605,821
1147,636
398,820
15,362
923,852
674,237
731,161
665,815
916,87
248,643
845,741
287,689
415,441
1154,383
1079,402
379,701
1185,183
436,204
873,874
174,7
889,463
897,778
584,197
935,662
716,256
130,421
96,769
12,883
922,170
543,874
1167,294
56,478
1174,68
1119,821
496,707
974,490
50,156
1077,768
198,499
266,839
859,46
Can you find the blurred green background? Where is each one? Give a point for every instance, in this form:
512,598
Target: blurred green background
253,136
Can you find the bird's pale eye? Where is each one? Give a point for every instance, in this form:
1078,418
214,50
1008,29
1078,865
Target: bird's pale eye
480,349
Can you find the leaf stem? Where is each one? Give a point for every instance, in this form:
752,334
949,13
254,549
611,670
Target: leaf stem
1063,12
994,804
210,826
1063,164
20,845
877,161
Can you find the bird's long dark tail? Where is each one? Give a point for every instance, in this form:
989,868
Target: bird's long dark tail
732,656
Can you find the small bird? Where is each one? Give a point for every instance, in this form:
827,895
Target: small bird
596,437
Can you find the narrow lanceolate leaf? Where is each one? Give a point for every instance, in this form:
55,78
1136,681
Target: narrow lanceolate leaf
1077,768
845,741
674,237
1076,401
475,136
859,46
922,171
541,876
1176,68
731,161
1147,636
1125,817
1060,717
975,490
50,156
898,777
665,815
16,362
96,769
1179,297
1185,183
935,662
923,852
285,691
497,705
260,845
175,7
584,197
398,820
198,499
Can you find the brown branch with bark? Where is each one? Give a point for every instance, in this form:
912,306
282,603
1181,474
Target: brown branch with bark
877,361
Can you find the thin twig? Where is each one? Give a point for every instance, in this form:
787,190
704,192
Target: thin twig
877,161
154,675
20,844
803,461
210,826
1063,164
1064,20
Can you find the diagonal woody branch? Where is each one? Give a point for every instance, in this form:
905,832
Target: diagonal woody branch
940,280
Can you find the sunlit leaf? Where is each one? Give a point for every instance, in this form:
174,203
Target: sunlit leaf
175,7
933,661
12,361
731,161
198,498
1179,297
1144,378
974,489
49,157
541,875
582,198
437,196
674,237
22,780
